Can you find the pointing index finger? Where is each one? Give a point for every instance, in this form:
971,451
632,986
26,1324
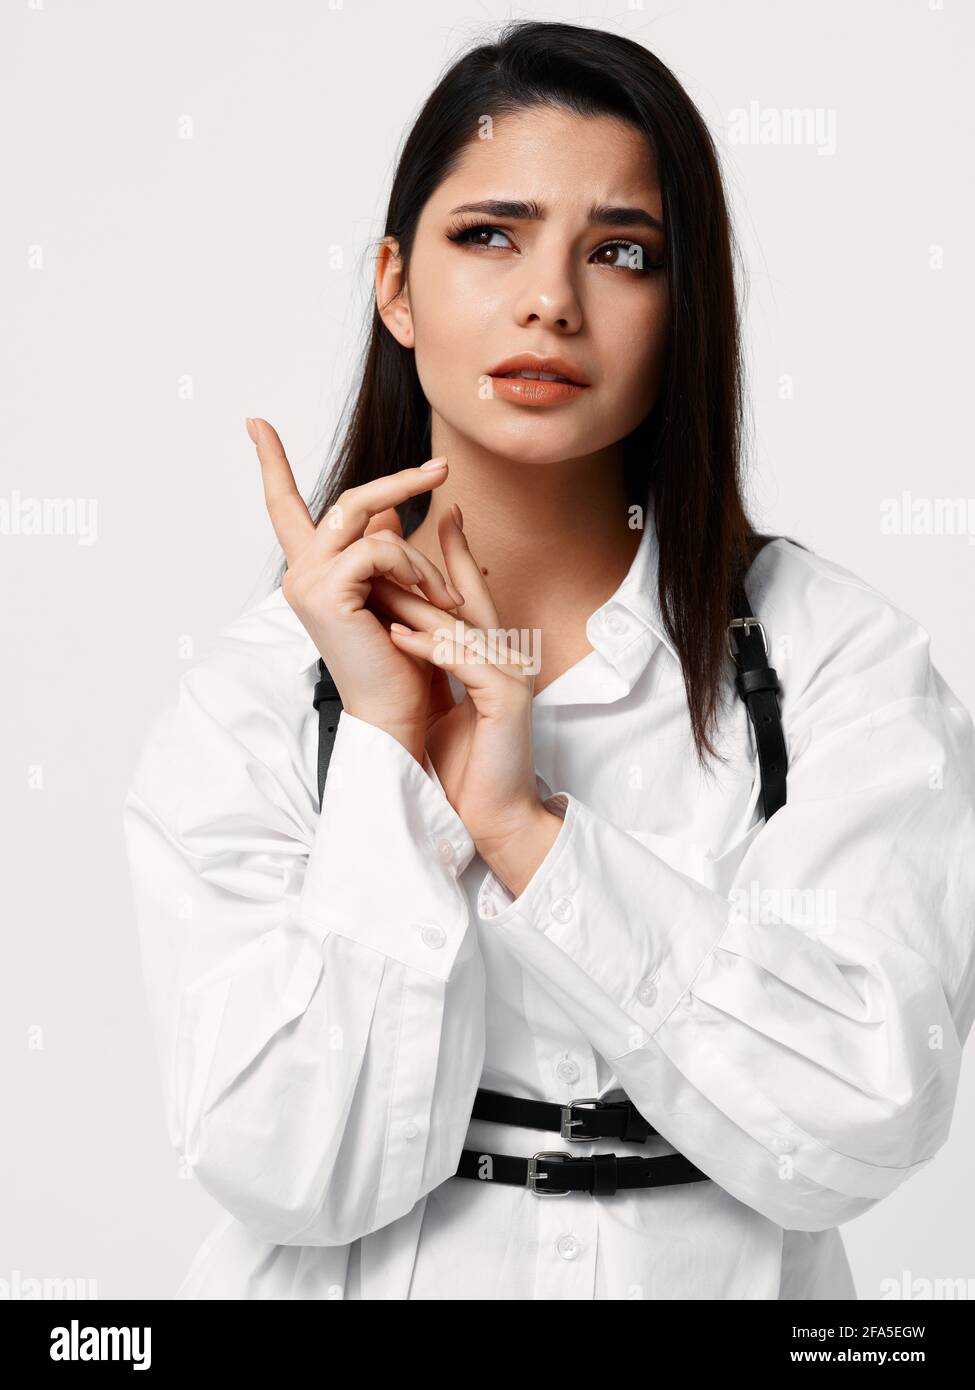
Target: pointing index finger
286,507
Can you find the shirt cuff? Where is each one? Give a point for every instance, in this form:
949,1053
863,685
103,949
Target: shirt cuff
634,926
495,899
388,853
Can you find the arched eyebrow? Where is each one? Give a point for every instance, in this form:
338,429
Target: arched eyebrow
531,211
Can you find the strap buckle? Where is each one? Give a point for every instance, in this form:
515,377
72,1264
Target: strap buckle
568,1122
534,1174
746,623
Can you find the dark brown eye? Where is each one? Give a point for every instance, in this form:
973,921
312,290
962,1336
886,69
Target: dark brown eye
635,257
469,235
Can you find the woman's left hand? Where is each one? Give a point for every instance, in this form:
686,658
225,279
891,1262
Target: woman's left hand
481,747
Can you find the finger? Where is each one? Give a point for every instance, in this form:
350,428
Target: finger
422,616
441,697
411,608
290,517
346,520
465,572
357,566
479,671
490,646
435,676
387,520
432,582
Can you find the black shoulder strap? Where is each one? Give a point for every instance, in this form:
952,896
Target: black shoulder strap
756,683
328,702
758,686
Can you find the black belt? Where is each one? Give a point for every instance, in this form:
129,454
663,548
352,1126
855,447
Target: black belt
599,1174
609,1119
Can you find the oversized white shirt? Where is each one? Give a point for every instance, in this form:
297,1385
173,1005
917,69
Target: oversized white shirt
786,1003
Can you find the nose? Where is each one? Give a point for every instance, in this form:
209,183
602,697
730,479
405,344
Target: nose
548,297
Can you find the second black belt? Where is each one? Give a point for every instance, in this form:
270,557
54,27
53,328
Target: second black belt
562,1172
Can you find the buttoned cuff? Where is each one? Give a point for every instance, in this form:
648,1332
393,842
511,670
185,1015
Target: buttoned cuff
388,853
638,928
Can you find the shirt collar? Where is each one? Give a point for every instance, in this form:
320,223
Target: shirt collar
609,629
637,594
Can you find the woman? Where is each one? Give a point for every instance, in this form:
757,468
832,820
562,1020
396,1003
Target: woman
541,866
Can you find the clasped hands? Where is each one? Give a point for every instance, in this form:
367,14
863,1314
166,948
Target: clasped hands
481,746
352,574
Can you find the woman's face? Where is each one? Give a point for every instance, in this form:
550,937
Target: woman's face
545,281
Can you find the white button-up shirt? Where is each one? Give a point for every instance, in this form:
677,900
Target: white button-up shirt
785,1003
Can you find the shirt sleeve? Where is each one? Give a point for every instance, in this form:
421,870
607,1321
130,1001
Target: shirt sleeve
791,1018
315,985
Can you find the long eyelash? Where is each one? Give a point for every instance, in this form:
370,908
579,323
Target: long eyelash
460,233
461,230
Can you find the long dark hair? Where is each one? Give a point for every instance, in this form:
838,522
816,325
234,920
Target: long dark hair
687,452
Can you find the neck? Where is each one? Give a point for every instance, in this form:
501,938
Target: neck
551,539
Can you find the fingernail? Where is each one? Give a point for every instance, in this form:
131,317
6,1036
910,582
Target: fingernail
251,429
458,515
398,627
455,594
433,464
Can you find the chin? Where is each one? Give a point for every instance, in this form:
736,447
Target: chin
535,441
537,453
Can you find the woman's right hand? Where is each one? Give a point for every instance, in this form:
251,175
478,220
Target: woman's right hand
328,583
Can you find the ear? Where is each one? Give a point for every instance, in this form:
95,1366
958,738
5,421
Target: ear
392,295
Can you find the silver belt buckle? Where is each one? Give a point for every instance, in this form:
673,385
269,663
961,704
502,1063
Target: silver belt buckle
534,1174
746,623
567,1122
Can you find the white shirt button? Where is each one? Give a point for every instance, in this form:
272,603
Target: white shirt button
488,910
567,1070
446,850
782,1145
568,1247
562,909
647,991
411,1130
434,937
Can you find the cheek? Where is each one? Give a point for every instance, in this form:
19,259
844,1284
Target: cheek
639,349
452,295
451,309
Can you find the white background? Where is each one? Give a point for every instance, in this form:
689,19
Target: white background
156,289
